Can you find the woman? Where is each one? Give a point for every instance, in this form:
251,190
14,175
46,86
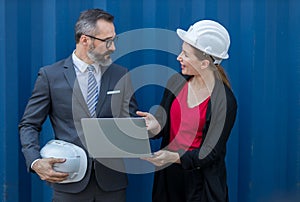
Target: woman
197,114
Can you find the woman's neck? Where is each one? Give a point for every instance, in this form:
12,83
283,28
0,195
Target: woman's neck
205,80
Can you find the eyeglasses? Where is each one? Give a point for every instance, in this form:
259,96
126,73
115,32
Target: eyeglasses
108,41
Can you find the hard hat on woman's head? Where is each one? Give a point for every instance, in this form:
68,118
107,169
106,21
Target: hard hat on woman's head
209,37
76,159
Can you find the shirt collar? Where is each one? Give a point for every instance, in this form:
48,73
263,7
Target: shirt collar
81,65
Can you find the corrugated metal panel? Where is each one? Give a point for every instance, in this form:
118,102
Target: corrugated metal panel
264,67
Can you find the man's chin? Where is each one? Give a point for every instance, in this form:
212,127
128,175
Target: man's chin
105,63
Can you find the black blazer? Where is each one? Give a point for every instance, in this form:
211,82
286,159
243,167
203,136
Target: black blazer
209,158
57,94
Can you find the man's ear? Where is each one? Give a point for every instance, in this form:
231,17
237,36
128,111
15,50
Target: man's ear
83,40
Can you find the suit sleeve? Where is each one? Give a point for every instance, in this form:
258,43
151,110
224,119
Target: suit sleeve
34,116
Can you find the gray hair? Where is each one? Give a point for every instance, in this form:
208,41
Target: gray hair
86,23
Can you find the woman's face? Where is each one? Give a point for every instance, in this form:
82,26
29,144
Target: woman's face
190,64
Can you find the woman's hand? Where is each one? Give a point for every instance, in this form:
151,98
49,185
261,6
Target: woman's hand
152,124
163,157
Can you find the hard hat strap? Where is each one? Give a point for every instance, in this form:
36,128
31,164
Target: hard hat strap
215,60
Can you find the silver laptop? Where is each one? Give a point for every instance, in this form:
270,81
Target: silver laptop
116,137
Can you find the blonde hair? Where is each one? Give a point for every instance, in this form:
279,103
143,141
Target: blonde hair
221,74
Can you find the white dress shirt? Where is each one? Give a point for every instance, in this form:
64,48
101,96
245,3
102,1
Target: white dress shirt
82,74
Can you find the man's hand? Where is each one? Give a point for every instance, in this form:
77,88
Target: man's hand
44,168
152,124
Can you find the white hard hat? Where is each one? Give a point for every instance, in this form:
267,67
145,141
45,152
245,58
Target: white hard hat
208,36
76,159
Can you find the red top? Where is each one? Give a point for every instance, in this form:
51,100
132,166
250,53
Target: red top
186,123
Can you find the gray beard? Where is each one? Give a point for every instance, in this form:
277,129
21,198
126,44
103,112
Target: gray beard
99,59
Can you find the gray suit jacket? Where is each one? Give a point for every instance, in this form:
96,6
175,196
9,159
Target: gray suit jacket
57,94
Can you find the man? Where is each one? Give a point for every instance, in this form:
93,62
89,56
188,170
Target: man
62,92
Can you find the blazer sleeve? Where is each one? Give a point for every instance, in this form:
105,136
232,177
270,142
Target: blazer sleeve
214,144
34,116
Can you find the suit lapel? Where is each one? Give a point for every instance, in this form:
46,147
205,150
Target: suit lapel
105,81
70,76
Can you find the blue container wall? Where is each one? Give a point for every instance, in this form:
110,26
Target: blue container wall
263,159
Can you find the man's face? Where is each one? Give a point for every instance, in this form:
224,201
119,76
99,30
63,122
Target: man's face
102,58
98,51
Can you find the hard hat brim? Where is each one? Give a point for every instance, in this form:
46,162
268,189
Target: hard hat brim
183,35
